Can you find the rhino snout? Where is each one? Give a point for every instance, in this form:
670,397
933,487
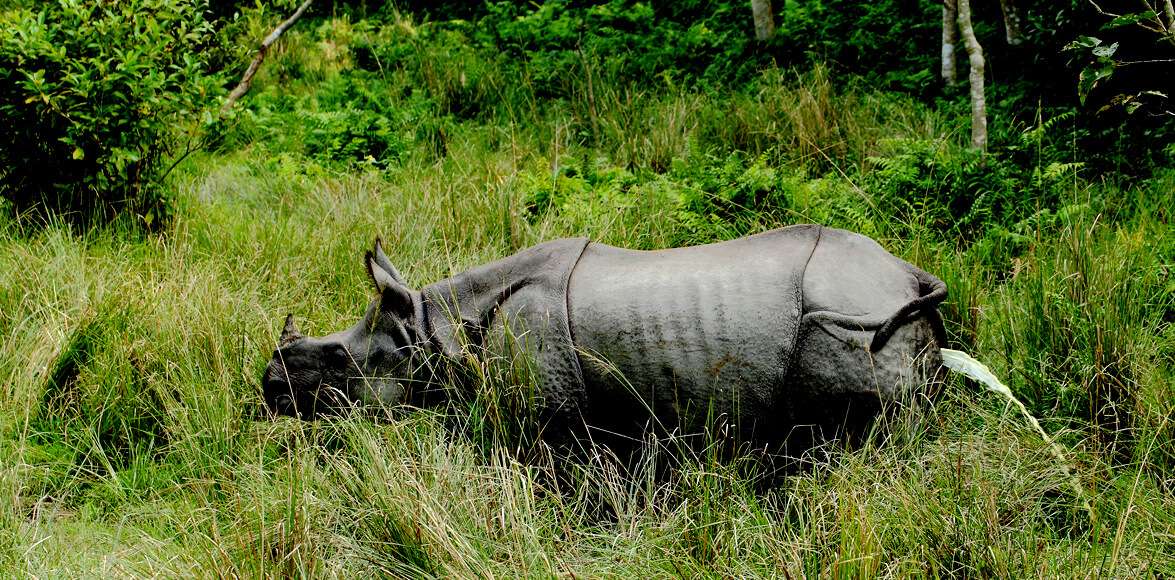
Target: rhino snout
283,404
279,395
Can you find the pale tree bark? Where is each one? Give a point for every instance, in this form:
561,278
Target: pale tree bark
247,80
1012,28
764,19
950,36
975,58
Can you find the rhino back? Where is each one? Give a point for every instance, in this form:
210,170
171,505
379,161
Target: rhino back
711,328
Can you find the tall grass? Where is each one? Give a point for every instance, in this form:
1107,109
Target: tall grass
131,445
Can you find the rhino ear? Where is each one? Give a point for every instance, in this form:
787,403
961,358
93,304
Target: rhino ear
396,296
382,260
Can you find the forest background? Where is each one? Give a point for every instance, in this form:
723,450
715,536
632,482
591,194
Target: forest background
154,235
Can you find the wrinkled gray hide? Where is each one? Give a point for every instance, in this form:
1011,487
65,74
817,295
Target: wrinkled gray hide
798,325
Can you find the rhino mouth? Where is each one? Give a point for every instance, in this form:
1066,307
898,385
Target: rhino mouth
322,401
283,404
327,399
281,401
283,398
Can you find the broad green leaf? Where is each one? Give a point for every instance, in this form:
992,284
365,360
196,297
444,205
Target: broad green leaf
1083,42
1090,77
1105,50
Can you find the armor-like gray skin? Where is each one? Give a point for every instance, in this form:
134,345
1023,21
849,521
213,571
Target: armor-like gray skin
803,325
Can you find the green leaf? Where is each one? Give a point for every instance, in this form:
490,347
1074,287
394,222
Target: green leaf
1105,51
1083,42
1128,19
1090,77
78,153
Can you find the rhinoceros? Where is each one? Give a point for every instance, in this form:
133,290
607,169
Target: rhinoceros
794,326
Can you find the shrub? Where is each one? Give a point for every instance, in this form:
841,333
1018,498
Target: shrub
954,190
729,197
624,42
91,95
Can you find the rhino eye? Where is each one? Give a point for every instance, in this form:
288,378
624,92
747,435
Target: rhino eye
337,355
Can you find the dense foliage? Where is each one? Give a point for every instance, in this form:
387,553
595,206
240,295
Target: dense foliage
97,97
93,96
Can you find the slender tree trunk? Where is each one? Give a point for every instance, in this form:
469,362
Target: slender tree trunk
247,80
1012,22
950,36
975,57
764,19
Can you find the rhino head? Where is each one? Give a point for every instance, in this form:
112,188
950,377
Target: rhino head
368,364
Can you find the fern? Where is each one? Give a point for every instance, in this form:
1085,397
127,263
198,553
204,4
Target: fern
1034,136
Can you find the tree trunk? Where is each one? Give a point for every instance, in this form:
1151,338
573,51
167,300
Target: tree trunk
247,80
764,19
975,57
1012,22
950,36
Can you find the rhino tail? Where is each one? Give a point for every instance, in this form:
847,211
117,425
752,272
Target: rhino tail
932,292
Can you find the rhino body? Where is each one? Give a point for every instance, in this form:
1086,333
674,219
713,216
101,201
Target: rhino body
801,325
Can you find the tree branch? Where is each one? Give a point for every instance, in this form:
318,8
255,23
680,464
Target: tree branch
247,80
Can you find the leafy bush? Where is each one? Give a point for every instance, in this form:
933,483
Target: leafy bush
959,191
346,124
708,198
91,96
438,59
891,43
626,41
729,197
355,136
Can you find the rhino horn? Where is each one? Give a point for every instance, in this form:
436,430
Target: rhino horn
289,331
382,260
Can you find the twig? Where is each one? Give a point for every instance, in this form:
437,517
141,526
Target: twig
247,80
1100,11
1160,29
188,150
1150,61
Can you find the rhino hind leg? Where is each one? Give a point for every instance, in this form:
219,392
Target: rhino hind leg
840,385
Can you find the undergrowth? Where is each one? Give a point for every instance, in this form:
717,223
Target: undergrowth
131,436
